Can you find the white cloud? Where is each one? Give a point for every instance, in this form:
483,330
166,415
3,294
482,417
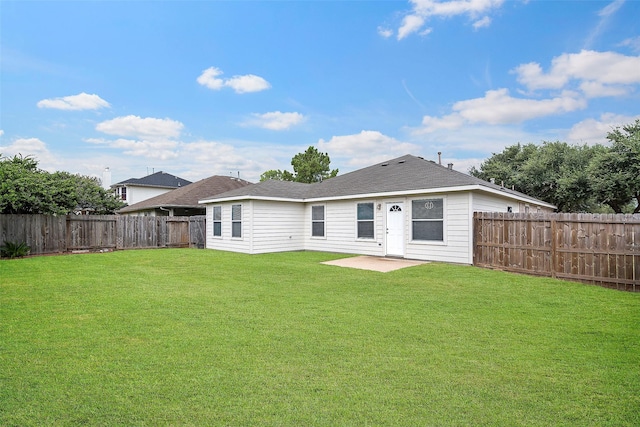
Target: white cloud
82,101
209,78
592,131
497,107
608,70
365,148
422,10
33,147
482,23
605,15
144,128
633,43
148,137
410,24
247,83
241,84
276,120
385,32
1,132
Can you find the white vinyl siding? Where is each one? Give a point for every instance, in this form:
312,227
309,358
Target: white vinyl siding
341,230
457,232
277,227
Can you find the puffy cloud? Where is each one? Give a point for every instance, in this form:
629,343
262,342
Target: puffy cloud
606,70
592,131
148,127
240,84
410,24
33,147
82,101
148,137
365,148
385,32
276,120
422,10
247,83
497,107
209,78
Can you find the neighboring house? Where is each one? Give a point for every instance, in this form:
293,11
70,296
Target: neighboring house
406,207
183,201
135,190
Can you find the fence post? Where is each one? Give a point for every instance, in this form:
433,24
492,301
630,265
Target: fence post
554,246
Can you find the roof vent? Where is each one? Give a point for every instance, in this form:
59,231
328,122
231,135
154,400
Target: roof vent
401,161
450,166
385,164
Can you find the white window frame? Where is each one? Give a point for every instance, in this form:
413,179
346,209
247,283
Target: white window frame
443,220
215,221
323,221
372,220
236,221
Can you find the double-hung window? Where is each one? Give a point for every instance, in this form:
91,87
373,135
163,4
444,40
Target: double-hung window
236,220
365,221
317,221
427,219
217,221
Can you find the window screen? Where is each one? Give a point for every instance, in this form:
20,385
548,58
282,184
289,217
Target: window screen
427,219
365,221
317,221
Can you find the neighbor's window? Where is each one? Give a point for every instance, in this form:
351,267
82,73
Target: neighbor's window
123,193
217,221
236,220
317,221
365,221
427,218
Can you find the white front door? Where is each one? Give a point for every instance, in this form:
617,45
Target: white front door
395,229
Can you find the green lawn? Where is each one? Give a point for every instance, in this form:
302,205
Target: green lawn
199,337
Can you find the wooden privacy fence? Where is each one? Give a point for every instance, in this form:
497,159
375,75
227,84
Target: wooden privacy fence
46,234
591,248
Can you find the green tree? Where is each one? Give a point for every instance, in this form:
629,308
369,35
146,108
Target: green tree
309,166
25,189
615,172
555,172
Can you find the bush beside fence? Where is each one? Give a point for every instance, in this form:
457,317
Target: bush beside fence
590,248
48,234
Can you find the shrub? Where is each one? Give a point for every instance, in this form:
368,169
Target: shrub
14,250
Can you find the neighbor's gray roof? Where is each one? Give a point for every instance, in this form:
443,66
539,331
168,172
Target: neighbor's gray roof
403,174
158,179
189,195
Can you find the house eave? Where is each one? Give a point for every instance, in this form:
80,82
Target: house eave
499,192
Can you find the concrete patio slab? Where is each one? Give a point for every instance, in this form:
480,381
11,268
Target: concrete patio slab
374,263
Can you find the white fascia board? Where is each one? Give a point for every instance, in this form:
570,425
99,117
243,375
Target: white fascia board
240,198
434,191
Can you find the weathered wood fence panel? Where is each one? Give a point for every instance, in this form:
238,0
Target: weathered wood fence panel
47,234
592,248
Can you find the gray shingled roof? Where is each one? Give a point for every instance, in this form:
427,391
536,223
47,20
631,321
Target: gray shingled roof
189,195
403,174
158,179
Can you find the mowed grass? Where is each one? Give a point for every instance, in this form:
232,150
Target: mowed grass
200,337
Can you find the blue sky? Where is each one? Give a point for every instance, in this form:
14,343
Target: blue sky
201,88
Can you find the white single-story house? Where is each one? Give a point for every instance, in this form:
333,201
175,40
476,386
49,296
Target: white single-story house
406,207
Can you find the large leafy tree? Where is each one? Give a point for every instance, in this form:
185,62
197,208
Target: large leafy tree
309,166
615,173
25,189
555,172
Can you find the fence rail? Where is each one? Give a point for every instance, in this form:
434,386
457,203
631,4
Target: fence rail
47,234
591,248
